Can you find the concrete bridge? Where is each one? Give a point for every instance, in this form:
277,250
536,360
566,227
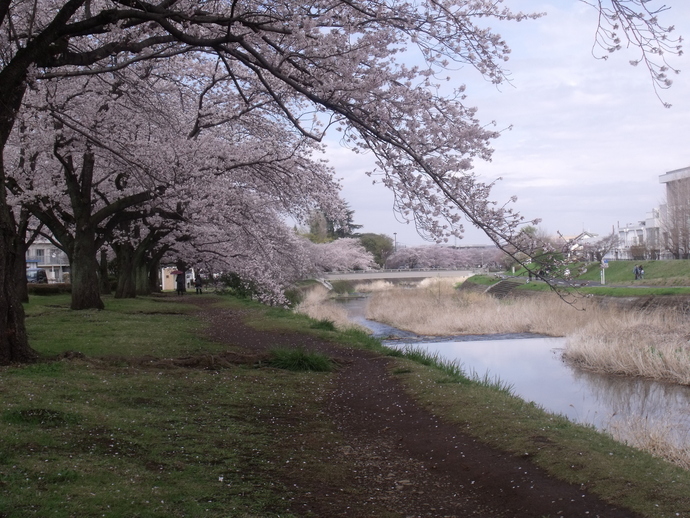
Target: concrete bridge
398,274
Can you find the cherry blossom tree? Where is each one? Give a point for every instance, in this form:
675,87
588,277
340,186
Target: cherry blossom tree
340,255
637,23
328,63
144,163
447,257
81,181
597,250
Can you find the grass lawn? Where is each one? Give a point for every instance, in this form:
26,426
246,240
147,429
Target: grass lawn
101,436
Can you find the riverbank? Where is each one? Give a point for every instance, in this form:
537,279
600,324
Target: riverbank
645,336
179,413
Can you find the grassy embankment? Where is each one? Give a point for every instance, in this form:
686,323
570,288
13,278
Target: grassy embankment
661,278
119,433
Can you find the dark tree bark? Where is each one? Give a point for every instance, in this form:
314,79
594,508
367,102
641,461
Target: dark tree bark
126,285
20,266
86,292
155,267
14,345
104,280
141,279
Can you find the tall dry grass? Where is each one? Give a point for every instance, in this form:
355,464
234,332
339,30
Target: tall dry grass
317,305
372,286
659,439
652,344
437,308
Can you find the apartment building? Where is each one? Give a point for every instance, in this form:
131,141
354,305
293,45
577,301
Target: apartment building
44,254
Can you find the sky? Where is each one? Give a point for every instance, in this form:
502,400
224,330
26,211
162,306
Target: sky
589,137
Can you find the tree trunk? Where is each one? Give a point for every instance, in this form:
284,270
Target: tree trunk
14,344
141,277
141,271
155,281
104,280
20,270
154,276
126,286
86,292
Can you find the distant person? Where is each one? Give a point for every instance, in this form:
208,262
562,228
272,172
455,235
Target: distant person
636,271
198,285
179,284
641,272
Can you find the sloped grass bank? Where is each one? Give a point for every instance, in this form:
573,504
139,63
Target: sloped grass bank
671,274
656,273
101,435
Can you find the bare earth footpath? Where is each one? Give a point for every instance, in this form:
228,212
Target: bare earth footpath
402,460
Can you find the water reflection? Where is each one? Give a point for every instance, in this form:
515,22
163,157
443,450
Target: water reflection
533,366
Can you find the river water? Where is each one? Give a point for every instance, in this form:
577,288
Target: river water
533,367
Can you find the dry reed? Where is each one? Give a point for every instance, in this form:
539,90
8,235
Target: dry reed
652,344
437,308
653,438
370,287
316,304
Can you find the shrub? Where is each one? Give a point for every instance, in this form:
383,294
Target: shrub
236,286
324,324
49,289
299,360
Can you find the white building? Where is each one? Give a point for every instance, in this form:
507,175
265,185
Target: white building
649,238
643,239
169,279
44,254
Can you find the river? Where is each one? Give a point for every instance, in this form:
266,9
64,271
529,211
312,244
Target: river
532,366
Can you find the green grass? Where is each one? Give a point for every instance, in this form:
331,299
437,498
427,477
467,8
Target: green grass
453,371
299,360
661,272
484,280
122,442
54,328
94,437
661,278
325,324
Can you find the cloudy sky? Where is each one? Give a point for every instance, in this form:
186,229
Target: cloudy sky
589,137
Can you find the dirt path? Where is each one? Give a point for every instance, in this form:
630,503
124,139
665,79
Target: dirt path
406,461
